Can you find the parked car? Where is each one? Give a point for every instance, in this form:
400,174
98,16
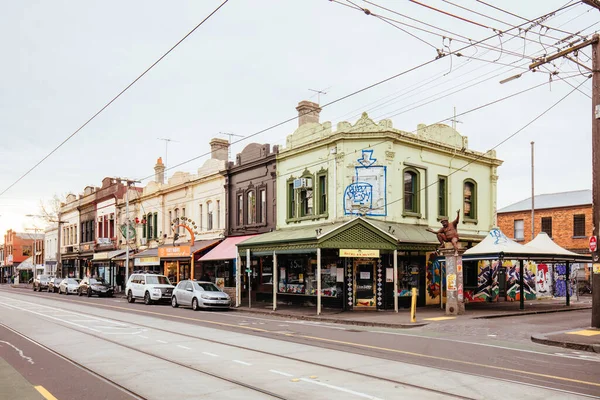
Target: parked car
150,287
92,286
199,295
41,282
54,284
68,286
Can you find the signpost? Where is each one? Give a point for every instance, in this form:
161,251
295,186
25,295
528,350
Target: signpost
249,271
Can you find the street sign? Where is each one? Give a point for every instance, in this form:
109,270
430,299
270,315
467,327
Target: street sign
248,270
593,244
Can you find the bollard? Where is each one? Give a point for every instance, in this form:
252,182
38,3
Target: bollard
413,306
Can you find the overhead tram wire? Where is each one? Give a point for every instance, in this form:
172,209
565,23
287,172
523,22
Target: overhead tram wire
479,157
339,99
114,98
466,40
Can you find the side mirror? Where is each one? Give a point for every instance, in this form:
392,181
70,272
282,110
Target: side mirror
190,289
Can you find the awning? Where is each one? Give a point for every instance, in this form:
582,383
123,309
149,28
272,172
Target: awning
184,250
107,255
146,258
26,265
226,250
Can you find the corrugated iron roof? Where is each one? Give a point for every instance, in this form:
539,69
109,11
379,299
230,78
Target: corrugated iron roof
551,200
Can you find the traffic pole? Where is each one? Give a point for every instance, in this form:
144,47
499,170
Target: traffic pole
596,178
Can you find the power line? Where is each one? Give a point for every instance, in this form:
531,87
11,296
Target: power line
113,99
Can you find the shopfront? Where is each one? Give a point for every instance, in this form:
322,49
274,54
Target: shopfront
147,261
104,266
179,262
356,265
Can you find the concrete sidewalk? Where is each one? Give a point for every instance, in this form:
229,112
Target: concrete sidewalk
578,339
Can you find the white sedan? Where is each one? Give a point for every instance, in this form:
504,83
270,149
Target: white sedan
68,286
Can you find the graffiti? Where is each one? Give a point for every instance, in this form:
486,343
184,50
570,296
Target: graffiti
366,195
541,280
512,282
560,281
498,236
433,279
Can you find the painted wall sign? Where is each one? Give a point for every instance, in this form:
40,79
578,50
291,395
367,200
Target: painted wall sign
177,251
389,275
459,269
359,253
451,282
597,268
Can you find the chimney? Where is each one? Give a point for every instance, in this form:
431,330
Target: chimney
219,149
159,171
308,112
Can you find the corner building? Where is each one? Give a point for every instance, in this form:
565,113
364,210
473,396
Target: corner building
353,207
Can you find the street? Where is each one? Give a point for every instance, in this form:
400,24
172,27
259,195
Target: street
197,355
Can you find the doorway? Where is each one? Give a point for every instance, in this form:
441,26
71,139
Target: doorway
364,289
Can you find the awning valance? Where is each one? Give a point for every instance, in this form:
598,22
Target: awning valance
107,255
226,250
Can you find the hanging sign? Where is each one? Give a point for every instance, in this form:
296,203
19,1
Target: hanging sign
359,253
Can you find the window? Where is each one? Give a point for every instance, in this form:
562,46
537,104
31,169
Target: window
155,233
442,196
240,211
579,225
262,213
201,226
411,191
209,216
322,194
170,222
218,213
469,200
177,229
547,225
306,199
251,208
291,200
519,229
150,227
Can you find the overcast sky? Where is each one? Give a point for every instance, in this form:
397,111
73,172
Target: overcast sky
248,67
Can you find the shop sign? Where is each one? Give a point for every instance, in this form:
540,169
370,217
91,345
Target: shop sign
103,240
359,253
596,268
220,282
100,256
144,261
86,247
176,251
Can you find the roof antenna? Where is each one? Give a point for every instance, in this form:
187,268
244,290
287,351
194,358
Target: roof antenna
230,136
318,93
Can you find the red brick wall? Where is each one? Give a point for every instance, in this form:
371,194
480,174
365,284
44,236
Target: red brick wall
562,225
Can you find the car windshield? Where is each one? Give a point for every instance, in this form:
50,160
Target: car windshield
157,280
44,278
73,281
208,287
96,281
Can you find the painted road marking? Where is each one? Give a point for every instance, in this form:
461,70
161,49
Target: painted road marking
58,319
242,362
183,347
484,366
341,389
161,341
18,350
47,395
210,354
280,373
585,332
143,337
438,318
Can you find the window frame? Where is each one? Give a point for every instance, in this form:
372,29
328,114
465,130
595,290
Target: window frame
240,209
251,209
262,205
522,229
582,232
321,207
546,220
415,211
442,197
472,216
291,199
209,216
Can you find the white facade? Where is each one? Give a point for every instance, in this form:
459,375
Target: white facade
69,225
51,249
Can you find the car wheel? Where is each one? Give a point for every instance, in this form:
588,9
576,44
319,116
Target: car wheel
147,299
130,298
67,292
89,292
34,289
79,292
174,302
195,304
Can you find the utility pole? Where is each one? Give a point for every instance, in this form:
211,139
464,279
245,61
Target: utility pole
128,183
595,70
35,231
532,196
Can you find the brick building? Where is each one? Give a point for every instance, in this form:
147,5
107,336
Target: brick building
566,217
18,247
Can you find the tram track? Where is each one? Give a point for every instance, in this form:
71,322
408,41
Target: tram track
266,334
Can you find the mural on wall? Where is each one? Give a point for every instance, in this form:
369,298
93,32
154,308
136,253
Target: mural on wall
560,281
434,278
542,278
366,195
513,292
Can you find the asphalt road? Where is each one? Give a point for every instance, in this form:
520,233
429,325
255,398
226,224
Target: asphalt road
464,357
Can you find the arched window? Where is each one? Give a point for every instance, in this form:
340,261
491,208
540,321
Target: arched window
251,199
411,191
209,215
470,199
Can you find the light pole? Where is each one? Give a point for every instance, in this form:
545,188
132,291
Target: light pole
128,182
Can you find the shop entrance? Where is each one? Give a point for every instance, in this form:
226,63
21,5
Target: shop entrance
364,289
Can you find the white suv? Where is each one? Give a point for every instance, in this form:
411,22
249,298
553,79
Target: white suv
150,287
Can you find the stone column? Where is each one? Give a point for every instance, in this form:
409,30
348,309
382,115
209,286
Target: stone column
455,304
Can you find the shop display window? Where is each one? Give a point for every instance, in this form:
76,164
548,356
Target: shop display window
408,278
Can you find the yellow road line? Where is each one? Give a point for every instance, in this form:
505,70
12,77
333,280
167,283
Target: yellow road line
47,395
585,332
438,318
366,346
